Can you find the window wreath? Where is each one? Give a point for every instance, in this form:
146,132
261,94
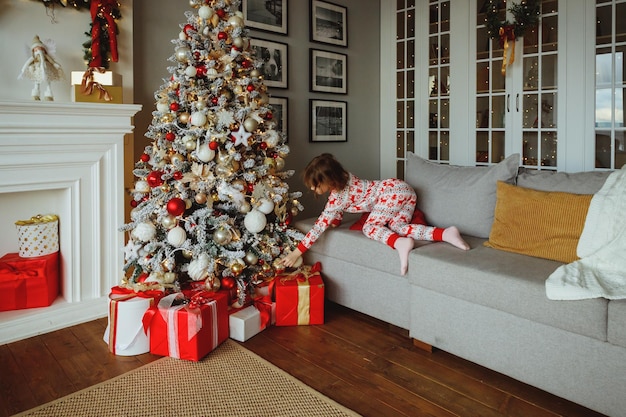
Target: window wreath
526,15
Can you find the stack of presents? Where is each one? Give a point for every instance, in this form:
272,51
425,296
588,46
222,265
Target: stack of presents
191,323
30,277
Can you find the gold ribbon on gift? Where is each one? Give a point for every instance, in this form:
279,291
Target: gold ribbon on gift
507,34
88,85
40,218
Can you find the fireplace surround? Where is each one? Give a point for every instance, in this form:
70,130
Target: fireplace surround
66,159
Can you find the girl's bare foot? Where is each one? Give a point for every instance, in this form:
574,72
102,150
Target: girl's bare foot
404,245
453,237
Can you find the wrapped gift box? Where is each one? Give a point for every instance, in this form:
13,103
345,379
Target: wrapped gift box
249,321
38,236
188,328
125,333
300,297
28,282
115,93
105,78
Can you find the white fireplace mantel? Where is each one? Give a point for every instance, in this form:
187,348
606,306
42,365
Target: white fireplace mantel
65,159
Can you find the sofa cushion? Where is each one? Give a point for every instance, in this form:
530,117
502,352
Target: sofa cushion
545,224
451,195
617,322
504,281
588,182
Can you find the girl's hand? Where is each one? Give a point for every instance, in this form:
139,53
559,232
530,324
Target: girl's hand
291,258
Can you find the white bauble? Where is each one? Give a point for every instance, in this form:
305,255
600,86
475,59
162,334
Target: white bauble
211,73
205,12
198,268
198,118
265,206
162,107
144,231
204,153
191,71
235,21
142,186
176,236
169,221
255,221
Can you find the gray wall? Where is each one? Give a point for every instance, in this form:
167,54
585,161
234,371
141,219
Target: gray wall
157,22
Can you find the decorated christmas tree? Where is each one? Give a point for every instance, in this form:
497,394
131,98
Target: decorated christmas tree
210,199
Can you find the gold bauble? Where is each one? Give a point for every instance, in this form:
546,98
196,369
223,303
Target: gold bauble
177,159
266,267
167,118
250,124
280,163
165,188
200,198
183,117
236,268
251,258
187,254
190,145
255,73
294,211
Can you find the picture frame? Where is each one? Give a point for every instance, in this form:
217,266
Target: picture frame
328,72
329,23
275,59
280,112
267,15
328,120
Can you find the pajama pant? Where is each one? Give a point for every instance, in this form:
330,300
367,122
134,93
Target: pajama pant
391,216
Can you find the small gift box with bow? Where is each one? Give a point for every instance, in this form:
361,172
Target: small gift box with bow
249,321
188,326
300,297
28,282
96,85
125,333
38,236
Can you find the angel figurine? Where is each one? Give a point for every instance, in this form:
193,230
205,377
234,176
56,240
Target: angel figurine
41,68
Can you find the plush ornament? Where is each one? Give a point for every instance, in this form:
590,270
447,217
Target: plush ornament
255,221
198,268
265,206
176,236
176,206
144,232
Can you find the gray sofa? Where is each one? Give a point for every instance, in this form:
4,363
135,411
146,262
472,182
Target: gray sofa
486,305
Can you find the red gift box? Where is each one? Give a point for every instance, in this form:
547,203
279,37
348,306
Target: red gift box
28,282
300,297
189,330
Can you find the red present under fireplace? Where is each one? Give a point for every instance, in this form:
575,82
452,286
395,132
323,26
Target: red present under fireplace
28,282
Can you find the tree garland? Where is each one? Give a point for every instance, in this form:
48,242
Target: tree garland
526,15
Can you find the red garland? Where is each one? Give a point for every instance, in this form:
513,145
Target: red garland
102,9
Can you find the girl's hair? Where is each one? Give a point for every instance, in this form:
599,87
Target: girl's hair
325,169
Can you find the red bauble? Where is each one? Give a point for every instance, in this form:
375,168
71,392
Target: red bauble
250,187
144,157
222,36
176,206
200,71
133,203
188,28
214,101
142,277
174,106
250,88
228,283
178,175
245,63
170,136
154,179
213,145
221,13
269,115
263,145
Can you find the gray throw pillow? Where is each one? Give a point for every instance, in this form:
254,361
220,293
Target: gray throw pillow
588,182
452,195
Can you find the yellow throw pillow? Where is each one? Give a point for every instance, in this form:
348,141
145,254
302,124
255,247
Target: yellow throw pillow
538,223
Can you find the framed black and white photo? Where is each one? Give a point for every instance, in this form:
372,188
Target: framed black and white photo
329,72
329,23
268,15
280,113
328,122
274,57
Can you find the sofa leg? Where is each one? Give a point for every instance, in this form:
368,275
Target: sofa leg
423,346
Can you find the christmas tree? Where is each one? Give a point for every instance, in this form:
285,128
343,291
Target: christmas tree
210,199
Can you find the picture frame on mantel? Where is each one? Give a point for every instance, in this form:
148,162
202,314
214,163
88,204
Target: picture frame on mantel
329,23
274,57
267,15
328,121
328,72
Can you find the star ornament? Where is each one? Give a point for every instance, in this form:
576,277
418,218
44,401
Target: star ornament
241,136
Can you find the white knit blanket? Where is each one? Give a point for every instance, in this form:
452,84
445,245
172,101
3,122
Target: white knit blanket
601,269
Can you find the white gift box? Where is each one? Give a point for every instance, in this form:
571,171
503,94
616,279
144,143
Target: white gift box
125,318
244,323
38,236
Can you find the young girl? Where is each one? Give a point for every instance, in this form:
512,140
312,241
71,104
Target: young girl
390,202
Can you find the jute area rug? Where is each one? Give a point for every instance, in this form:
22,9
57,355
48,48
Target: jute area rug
230,381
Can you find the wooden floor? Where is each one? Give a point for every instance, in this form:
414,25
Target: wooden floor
359,362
